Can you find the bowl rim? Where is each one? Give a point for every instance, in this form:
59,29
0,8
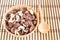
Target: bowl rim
16,7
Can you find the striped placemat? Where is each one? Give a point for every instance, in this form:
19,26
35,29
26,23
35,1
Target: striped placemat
51,9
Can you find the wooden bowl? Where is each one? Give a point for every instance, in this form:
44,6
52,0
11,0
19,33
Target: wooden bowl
18,7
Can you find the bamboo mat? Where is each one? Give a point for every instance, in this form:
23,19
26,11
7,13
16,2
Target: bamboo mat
51,9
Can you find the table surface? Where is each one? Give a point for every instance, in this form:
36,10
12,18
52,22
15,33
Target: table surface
51,10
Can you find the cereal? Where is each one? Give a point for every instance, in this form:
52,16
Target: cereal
21,22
